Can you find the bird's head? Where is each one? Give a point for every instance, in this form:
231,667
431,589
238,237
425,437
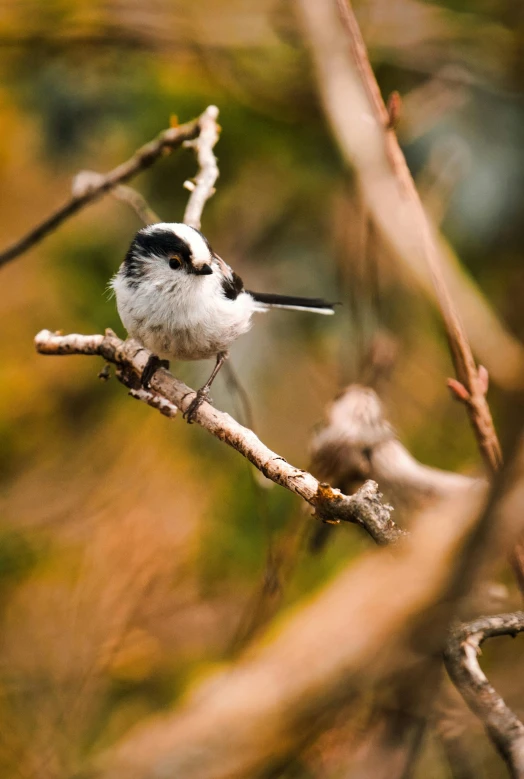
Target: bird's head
162,249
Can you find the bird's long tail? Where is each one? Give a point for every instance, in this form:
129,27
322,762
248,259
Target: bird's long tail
291,303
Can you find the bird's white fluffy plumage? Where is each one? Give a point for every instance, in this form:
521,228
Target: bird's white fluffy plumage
194,310
179,315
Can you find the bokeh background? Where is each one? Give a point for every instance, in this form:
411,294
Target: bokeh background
131,546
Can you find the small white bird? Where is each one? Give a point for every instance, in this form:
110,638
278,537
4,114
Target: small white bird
179,299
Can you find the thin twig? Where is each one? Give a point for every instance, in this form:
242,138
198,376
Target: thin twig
203,186
363,508
137,202
325,653
163,405
252,616
463,360
360,133
472,384
87,179
143,158
461,658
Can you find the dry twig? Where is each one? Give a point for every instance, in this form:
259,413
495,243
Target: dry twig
474,384
143,158
461,658
325,654
363,508
362,128
358,443
203,186
86,180
392,198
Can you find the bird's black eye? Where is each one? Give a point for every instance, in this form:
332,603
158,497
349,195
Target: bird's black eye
175,261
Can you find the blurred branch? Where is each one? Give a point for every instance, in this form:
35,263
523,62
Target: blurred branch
503,726
361,125
370,144
203,186
474,385
358,443
137,202
89,179
143,158
326,654
363,508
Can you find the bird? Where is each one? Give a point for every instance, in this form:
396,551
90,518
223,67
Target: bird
180,300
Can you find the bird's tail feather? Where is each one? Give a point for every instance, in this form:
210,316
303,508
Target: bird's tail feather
291,303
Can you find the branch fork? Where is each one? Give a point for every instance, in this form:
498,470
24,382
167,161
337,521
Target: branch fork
461,658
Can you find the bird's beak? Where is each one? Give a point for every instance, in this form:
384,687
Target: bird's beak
203,270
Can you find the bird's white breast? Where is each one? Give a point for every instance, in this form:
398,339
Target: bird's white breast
182,317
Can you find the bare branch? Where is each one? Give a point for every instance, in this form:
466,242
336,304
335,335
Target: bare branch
472,383
462,355
143,158
358,443
327,653
363,508
163,405
203,186
87,179
137,202
362,128
461,658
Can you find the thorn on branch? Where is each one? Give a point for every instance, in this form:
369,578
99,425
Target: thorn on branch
394,109
483,379
458,390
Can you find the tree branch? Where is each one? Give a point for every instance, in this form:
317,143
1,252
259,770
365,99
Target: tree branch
461,658
463,360
364,508
203,186
87,179
326,653
358,442
143,158
472,384
361,126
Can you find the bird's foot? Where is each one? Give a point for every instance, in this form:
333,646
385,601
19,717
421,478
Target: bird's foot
201,396
152,365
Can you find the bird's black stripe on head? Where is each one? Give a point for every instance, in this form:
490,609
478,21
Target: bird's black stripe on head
148,244
163,242
232,286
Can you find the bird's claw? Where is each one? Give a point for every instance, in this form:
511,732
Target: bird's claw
190,412
151,367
